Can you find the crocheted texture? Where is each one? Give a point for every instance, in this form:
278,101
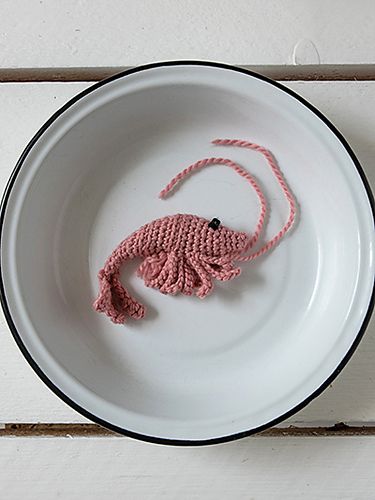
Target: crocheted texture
183,253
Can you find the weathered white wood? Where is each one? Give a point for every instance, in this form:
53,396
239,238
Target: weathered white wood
80,33
24,107
256,468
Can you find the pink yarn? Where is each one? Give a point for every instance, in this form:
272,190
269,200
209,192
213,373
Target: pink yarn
183,253
279,176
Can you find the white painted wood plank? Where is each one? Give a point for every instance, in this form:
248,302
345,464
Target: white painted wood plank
24,398
256,468
75,33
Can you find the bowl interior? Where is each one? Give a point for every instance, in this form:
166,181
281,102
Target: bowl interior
192,369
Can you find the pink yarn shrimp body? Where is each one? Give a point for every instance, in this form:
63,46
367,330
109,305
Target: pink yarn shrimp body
183,253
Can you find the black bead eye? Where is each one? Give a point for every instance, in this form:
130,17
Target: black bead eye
214,224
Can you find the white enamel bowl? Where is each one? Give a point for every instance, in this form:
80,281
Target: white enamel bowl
193,371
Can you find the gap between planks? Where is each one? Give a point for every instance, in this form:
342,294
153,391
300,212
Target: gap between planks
93,430
321,72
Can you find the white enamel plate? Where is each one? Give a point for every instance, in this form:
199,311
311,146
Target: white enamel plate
193,371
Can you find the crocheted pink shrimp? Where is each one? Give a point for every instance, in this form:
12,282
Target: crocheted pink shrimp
184,253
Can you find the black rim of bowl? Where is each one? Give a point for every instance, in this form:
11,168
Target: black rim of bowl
39,370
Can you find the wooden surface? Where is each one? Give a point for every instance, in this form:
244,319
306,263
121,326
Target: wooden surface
260,468
80,33
72,40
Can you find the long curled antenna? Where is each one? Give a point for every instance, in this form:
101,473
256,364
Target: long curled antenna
243,173
279,176
237,168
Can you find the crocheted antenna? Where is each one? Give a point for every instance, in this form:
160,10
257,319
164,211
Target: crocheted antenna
183,253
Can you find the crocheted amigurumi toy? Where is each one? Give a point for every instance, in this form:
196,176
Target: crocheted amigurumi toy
183,253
